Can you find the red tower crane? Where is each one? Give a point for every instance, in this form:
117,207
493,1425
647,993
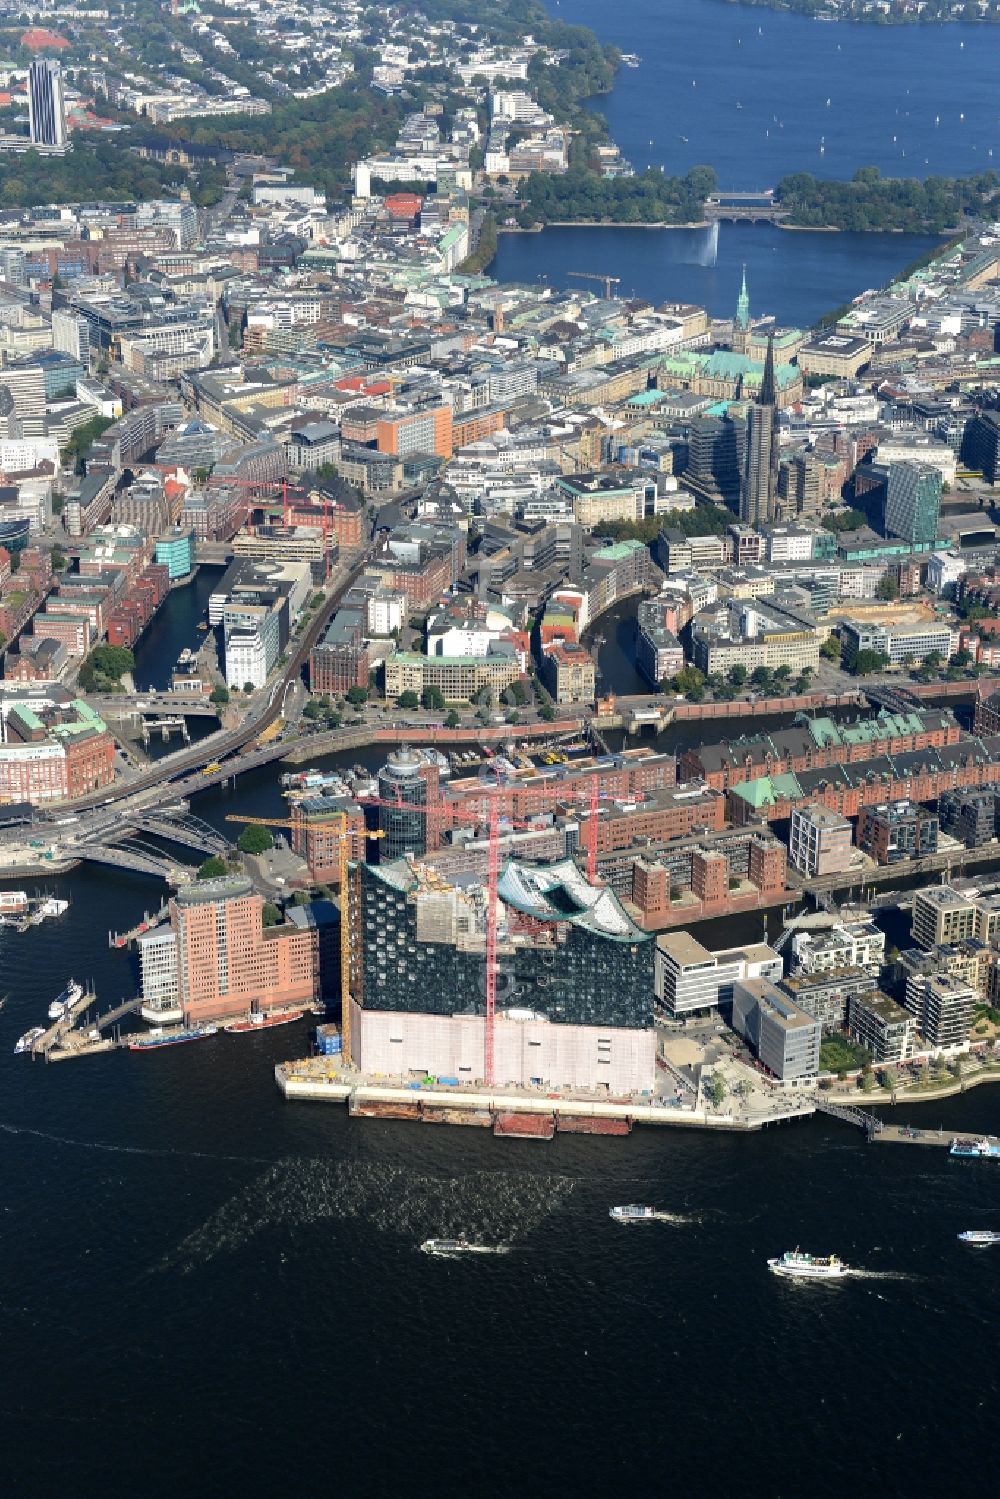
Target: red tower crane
492,822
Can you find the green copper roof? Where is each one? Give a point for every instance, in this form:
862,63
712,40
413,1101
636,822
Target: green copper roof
766,790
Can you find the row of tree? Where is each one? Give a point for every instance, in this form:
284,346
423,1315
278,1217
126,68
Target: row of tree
870,201
582,194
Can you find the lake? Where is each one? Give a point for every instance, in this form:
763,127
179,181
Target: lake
911,100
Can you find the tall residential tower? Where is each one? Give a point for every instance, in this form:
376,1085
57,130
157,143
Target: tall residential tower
46,106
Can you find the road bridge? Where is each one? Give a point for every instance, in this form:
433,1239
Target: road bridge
745,207
183,828
134,860
155,705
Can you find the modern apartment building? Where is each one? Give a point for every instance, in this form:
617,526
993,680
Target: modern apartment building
897,830
881,1025
942,917
942,1006
688,977
820,842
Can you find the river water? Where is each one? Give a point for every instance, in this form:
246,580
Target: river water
206,1291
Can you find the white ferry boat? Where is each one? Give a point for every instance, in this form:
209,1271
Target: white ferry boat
808,1266
634,1212
459,1246
980,1236
65,1001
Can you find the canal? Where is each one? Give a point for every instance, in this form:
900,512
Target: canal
173,628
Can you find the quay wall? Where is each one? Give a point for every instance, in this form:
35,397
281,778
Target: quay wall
296,1084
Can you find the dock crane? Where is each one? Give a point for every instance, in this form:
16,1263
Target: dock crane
343,837
607,281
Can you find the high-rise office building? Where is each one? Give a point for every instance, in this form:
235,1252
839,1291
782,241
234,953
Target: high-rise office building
913,502
403,786
981,444
760,476
71,335
716,455
46,105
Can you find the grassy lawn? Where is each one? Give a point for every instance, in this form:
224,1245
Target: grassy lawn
837,1054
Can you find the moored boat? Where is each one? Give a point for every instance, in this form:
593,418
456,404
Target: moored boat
27,1041
979,1236
808,1266
979,1149
65,1001
157,1038
258,1021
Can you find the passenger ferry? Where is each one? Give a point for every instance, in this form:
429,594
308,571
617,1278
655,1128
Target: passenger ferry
808,1266
982,1149
980,1236
634,1212
459,1246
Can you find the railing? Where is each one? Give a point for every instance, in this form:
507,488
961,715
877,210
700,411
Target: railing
868,1122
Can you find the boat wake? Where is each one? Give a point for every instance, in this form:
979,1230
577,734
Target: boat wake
483,1207
111,1149
880,1275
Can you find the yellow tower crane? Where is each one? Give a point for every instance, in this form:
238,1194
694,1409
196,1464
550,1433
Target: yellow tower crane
344,843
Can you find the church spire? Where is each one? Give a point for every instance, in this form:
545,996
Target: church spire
743,304
767,395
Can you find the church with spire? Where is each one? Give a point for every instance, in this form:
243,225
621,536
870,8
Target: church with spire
742,331
758,494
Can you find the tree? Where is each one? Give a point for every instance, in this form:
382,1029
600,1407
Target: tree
961,659
830,649
934,660
716,1088
761,676
546,712
213,868
249,687
867,1080
452,721
866,662
737,675
219,695
408,699
271,914
313,710
888,587
689,679
432,697
783,673
104,668
254,840
357,695
58,560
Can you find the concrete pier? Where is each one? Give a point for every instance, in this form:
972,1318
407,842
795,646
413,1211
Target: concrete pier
320,1079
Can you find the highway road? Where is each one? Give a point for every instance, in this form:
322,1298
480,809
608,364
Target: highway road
265,707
